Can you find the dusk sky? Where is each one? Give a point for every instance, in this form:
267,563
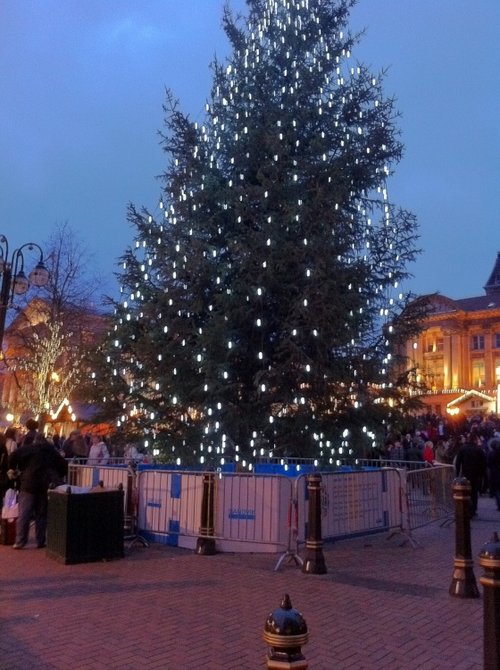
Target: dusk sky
82,85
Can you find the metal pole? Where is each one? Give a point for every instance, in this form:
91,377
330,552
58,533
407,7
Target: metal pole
12,269
4,299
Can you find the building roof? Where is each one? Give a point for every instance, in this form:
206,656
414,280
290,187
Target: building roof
492,286
441,303
479,303
471,394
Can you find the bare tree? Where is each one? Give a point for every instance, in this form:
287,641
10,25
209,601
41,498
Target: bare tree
74,283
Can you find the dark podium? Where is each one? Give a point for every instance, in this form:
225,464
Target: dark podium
85,527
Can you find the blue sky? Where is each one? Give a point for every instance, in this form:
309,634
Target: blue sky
82,86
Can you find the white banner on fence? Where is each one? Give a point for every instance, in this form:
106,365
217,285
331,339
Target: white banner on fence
170,506
354,503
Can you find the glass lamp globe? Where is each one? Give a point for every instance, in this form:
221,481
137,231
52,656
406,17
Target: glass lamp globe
21,283
39,276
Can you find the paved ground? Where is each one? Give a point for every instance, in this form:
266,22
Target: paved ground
381,605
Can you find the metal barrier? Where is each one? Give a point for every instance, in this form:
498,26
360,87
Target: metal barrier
111,460
169,506
387,463
355,503
268,512
111,477
429,495
250,510
353,462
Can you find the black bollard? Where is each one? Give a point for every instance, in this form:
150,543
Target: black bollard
205,544
314,561
489,559
285,631
463,583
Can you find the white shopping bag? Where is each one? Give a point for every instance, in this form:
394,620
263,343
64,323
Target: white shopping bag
10,508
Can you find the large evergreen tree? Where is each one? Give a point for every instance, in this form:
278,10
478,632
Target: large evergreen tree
256,310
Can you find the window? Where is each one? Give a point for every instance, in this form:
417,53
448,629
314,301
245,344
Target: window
496,340
497,371
478,372
433,374
477,342
433,345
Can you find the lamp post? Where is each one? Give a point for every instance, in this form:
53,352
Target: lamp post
14,280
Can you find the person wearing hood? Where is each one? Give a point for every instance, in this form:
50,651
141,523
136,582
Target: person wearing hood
39,465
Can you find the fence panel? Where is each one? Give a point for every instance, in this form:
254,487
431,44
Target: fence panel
87,476
429,495
170,506
252,512
354,503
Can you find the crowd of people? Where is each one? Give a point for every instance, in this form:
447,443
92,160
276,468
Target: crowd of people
472,447
30,463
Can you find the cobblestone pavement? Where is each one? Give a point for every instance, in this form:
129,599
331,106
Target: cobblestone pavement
382,604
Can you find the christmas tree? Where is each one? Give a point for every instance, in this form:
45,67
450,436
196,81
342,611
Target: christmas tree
257,304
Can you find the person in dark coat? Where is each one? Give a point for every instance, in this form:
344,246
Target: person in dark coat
76,447
471,463
39,465
32,432
494,468
4,480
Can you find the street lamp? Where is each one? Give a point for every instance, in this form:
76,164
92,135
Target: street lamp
14,280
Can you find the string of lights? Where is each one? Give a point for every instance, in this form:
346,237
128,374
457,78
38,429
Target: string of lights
258,301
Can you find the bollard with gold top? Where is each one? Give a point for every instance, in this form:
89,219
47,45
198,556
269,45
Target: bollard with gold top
314,561
489,559
285,631
463,583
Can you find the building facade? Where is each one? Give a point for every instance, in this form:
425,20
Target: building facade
41,367
457,354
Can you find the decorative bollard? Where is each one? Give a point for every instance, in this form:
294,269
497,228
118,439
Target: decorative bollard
489,559
314,561
205,544
285,631
463,583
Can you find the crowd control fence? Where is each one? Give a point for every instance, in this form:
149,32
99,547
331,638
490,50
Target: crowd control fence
269,512
249,510
110,476
93,475
355,503
429,495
